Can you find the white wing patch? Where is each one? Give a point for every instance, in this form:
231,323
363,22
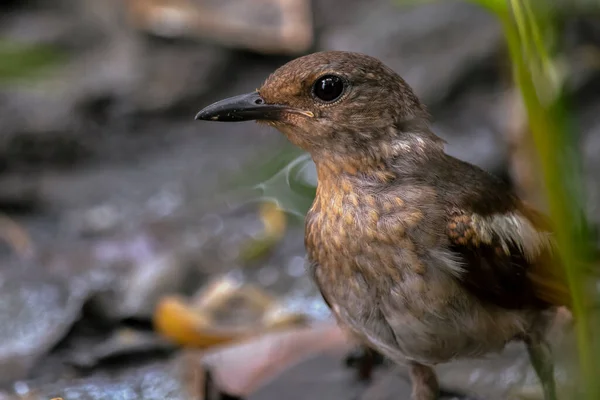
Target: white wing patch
513,229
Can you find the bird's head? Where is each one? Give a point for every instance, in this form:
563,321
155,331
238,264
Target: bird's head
336,102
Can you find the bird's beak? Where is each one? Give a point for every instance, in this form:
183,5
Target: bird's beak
246,107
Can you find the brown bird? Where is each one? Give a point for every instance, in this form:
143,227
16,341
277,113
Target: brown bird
424,257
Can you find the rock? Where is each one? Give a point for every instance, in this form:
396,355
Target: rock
49,26
265,367
266,26
20,193
174,73
320,376
174,380
132,267
122,344
36,310
393,381
134,271
432,46
109,72
241,369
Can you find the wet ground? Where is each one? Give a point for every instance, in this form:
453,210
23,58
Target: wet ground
120,201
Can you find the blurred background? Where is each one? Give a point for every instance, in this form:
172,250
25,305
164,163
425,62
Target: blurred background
145,255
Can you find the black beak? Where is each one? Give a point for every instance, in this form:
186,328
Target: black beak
245,107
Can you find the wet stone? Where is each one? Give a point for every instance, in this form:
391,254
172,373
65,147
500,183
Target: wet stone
121,344
36,311
320,377
157,381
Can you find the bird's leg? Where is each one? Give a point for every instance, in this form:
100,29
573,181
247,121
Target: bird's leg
364,359
541,359
424,382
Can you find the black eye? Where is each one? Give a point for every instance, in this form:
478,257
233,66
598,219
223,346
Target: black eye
328,88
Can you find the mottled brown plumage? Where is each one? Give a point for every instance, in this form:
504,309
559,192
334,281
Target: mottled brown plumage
424,257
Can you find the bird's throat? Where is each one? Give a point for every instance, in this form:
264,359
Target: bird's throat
334,170
379,161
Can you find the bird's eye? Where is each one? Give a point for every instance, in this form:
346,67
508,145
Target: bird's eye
328,88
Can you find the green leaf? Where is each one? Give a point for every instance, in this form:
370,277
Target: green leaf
19,61
284,178
530,32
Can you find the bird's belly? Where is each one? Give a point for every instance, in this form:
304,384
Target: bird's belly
429,321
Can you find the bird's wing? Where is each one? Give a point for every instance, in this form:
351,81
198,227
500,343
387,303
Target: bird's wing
509,257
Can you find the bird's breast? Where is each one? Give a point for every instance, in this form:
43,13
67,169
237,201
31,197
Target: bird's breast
379,264
363,245
350,229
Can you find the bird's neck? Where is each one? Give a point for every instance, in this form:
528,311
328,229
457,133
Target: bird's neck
379,162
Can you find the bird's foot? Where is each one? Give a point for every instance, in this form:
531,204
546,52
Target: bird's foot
540,355
424,382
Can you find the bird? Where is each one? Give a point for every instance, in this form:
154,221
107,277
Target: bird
422,256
